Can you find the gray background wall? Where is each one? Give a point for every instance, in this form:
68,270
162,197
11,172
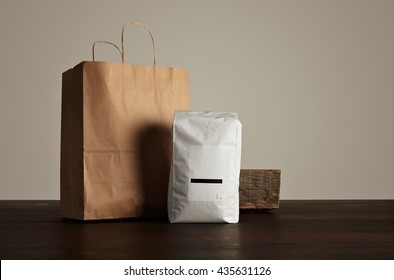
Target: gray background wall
313,82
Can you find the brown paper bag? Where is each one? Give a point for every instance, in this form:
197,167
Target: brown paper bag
116,137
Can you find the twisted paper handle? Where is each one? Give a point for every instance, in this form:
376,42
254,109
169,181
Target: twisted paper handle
105,42
151,36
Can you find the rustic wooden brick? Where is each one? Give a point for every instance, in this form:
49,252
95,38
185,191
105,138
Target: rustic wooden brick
259,188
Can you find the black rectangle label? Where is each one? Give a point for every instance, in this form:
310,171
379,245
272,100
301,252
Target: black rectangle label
206,181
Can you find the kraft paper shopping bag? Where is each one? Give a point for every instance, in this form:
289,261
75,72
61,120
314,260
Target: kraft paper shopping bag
116,137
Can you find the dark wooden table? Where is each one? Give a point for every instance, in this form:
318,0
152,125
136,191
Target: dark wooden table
340,229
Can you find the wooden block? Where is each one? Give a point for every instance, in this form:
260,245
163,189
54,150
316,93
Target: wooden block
259,188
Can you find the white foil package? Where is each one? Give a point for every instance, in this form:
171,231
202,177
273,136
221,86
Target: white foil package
206,160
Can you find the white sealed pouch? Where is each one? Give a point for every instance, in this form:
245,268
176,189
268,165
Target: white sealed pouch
206,160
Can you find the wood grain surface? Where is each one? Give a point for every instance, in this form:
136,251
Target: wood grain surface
340,229
259,188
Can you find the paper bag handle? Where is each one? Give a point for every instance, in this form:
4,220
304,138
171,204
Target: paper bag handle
151,36
105,42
